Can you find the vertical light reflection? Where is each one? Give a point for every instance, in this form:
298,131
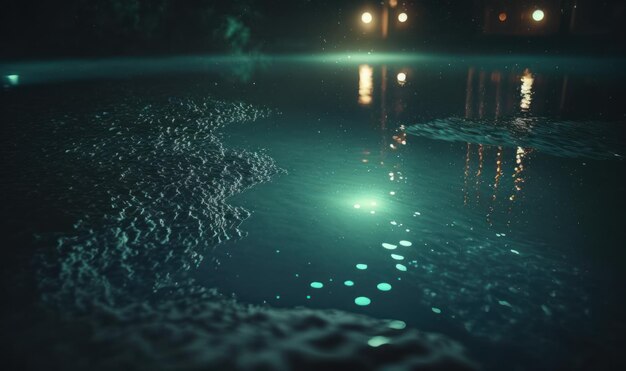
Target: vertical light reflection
496,183
481,92
366,84
468,92
526,90
466,173
520,153
496,78
479,172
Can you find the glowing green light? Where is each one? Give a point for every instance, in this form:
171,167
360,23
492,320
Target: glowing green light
317,285
362,301
377,341
397,257
397,325
401,267
389,246
538,15
12,79
436,310
406,243
384,286
348,283
361,266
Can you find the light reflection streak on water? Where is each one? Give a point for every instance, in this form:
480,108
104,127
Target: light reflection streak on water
520,155
526,90
466,173
480,169
366,84
496,182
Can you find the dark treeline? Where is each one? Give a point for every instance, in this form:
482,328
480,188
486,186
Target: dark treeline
125,27
95,28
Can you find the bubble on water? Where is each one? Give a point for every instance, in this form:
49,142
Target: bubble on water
348,283
401,267
317,285
377,341
397,325
383,286
436,310
362,301
406,243
397,257
389,246
393,222
361,266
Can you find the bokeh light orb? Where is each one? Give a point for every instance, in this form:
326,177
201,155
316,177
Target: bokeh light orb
502,17
538,15
367,17
401,77
402,17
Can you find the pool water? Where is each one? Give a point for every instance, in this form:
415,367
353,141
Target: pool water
478,198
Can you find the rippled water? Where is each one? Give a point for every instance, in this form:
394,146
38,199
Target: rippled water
474,199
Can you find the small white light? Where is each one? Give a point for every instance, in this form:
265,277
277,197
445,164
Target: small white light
538,15
401,77
366,17
402,17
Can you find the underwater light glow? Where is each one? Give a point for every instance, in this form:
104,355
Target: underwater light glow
348,283
317,285
383,286
367,17
361,266
401,77
362,301
502,17
538,15
402,17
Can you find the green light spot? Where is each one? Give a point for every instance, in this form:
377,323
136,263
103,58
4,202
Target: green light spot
401,267
436,310
377,341
361,266
384,286
406,243
397,257
277,296
317,285
397,325
362,301
389,246
348,283
13,79
308,296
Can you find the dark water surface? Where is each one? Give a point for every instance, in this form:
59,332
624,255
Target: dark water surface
485,194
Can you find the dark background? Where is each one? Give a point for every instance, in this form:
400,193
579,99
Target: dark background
91,28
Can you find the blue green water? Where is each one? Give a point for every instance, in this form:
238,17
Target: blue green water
477,198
